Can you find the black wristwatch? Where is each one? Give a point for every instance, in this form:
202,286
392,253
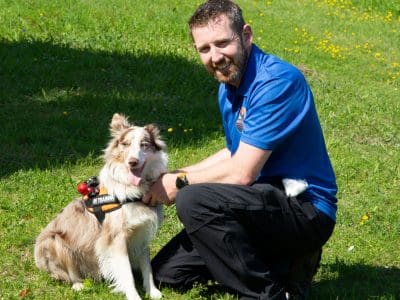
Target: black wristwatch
181,181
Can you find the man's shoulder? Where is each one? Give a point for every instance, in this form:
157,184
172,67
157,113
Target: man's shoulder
272,66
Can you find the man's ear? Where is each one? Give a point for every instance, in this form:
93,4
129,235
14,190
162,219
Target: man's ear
247,35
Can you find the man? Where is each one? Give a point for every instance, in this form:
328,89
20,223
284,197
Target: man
241,228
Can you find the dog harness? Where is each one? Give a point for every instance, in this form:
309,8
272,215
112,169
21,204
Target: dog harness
97,201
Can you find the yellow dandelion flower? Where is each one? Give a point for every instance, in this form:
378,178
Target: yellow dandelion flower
388,17
170,130
365,217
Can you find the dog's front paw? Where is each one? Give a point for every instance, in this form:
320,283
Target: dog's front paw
155,294
77,286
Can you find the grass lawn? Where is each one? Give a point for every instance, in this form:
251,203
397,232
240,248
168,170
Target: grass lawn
67,66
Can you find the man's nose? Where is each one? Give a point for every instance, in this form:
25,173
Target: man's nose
216,55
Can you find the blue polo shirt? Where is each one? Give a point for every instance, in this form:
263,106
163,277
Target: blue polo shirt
273,109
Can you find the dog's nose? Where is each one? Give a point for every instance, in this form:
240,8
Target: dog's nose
133,162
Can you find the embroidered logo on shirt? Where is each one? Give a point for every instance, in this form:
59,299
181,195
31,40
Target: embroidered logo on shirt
241,117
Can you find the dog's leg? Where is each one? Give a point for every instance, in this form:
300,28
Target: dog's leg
115,266
147,274
77,286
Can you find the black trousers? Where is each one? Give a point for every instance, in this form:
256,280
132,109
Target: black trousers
244,237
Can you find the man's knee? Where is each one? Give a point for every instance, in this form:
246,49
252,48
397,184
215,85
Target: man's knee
186,201
196,205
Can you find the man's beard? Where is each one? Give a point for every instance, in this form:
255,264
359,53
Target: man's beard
236,68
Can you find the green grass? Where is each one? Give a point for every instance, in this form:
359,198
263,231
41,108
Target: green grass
67,66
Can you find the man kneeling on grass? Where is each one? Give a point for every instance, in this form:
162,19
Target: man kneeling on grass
245,227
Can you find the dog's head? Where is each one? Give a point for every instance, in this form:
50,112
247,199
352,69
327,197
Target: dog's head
132,150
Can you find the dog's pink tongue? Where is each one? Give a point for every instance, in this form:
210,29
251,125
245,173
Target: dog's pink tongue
134,177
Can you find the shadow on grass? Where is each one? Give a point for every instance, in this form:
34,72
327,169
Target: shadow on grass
341,281
357,281
56,102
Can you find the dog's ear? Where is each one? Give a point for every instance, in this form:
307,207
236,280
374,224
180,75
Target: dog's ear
119,122
155,137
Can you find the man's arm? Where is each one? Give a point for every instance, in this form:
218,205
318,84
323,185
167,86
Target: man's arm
241,168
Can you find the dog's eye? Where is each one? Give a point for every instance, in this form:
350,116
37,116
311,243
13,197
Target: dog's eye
144,146
125,144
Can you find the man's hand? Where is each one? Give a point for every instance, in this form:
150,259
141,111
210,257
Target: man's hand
163,191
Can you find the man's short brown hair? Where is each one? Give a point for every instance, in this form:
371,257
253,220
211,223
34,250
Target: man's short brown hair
212,9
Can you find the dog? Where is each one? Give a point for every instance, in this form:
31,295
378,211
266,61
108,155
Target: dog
78,245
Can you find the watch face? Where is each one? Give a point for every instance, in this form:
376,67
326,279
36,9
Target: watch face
181,181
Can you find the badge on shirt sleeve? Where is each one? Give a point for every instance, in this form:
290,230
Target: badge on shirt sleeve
240,119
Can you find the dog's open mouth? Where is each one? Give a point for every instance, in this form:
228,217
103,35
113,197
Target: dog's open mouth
135,175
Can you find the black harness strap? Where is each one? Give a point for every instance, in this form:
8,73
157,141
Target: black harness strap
99,214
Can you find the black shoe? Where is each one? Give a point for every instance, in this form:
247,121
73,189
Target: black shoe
301,274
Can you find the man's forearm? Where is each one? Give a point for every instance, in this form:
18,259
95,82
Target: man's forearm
224,171
241,168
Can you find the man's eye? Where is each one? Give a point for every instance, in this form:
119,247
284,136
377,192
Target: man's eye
223,44
203,50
